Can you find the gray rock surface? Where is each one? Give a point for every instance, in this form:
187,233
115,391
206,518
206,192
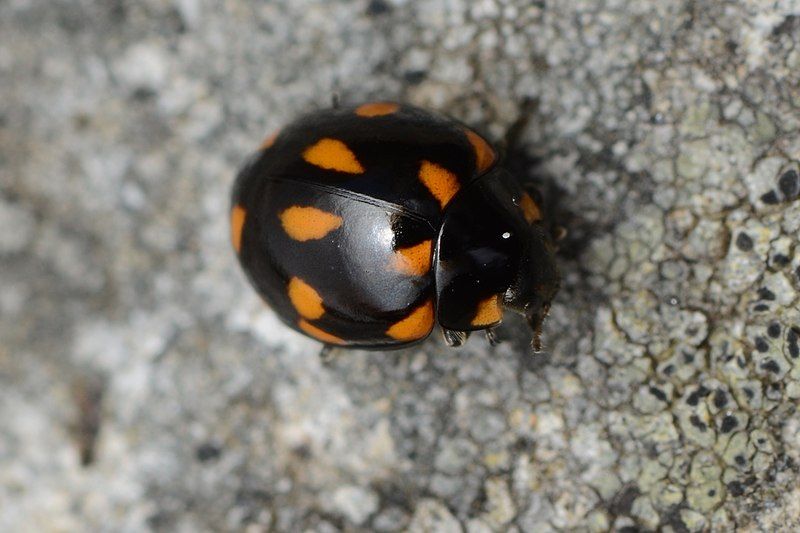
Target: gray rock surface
143,386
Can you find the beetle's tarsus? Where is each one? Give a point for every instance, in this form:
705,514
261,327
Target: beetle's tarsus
335,101
492,337
327,354
454,338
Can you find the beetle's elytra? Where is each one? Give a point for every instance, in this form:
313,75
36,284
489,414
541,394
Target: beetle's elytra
366,226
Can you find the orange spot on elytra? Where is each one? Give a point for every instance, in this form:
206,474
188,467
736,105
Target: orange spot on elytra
308,223
484,154
238,215
305,299
269,141
413,260
530,209
442,183
332,154
376,109
319,334
415,326
489,312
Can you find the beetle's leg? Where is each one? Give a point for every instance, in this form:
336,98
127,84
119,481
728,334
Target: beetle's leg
335,103
327,354
492,337
454,338
559,233
511,140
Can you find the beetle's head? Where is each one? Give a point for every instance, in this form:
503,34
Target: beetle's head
536,281
493,245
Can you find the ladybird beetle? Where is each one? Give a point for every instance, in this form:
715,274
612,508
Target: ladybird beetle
364,227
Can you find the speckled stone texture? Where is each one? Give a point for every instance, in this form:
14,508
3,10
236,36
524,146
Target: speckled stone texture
144,387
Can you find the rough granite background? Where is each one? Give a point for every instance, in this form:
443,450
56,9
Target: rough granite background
144,387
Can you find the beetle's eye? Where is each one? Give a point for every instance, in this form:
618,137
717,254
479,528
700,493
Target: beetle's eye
506,235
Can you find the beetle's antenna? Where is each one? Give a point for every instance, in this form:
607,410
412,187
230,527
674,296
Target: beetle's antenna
536,342
535,321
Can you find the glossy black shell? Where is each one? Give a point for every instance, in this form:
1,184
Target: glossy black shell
338,221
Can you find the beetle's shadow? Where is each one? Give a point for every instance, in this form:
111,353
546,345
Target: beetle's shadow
553,199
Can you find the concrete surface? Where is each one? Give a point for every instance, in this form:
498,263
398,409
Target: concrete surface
143,386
